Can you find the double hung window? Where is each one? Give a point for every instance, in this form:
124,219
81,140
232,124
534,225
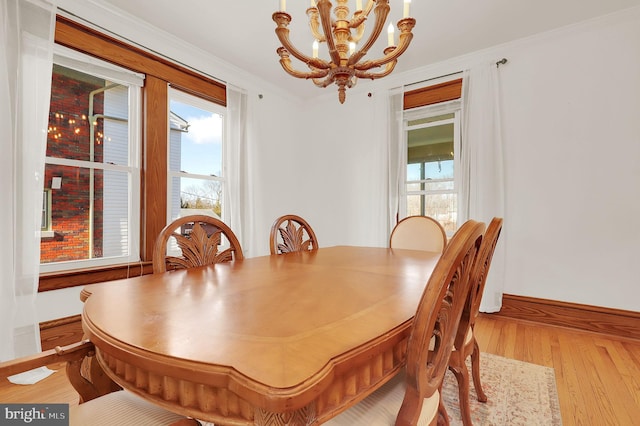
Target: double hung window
92,172
432,143
196,168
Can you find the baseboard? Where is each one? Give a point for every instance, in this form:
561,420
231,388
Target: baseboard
613,322
61,332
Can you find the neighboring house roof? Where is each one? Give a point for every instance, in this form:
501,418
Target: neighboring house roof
178,123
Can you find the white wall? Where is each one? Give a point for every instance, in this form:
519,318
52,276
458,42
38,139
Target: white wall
571,120
571,123
572,130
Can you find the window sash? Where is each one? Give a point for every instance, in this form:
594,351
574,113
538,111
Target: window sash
133,81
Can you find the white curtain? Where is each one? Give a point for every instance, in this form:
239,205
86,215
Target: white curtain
26,51
237,144
482,166
396,154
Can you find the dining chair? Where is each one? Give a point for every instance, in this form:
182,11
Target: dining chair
414,393
465,344
418,233
101,401
199,239
291,233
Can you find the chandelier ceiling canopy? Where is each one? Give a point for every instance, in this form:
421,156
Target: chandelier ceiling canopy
343,35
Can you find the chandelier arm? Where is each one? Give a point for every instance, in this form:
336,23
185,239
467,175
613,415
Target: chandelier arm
314,24
314,74
359,32
372,75
381,10
283,36
324,9
391,53
322,83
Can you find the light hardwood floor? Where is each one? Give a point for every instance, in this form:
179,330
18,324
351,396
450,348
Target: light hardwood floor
598,376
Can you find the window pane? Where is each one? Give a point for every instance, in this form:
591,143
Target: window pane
89,214
195,156
88,118
430,119
442,207
196,196
196,139
425,171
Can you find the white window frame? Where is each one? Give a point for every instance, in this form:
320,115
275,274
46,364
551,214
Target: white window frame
451,107
89,65
203,104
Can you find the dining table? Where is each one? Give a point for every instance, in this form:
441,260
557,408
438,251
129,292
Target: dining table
290,339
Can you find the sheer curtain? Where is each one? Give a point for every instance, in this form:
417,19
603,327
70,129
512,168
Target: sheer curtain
237,135
482,166
396,154
26,51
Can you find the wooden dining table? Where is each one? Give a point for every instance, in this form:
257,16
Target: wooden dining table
288,339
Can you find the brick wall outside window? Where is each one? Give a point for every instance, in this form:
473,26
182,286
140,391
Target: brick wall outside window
68,137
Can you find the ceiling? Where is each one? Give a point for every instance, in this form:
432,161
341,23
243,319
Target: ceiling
242,32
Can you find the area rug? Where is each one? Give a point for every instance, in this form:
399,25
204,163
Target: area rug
519,393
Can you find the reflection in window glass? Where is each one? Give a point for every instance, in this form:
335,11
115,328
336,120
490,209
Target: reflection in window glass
88,170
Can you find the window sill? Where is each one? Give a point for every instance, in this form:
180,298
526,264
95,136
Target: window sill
80,277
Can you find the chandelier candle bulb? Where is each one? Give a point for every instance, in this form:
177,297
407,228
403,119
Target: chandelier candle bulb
406,8
283,5
315,48
352,48
358,4
390,36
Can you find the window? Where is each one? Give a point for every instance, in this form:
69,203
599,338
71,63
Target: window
91,165
432,139
119,244
431,128
196,171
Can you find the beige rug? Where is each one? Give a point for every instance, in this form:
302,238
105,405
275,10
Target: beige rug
519,393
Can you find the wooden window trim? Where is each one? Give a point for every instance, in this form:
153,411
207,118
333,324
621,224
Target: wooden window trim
87,40
159,74
63,279
434,94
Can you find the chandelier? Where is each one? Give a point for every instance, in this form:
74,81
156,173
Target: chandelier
342,36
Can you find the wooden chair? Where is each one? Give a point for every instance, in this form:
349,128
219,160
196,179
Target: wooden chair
465,344
418,233
101,401
292,235
199,239
415,392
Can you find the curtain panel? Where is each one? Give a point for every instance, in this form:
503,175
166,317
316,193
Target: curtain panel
482,166
26,52
241,216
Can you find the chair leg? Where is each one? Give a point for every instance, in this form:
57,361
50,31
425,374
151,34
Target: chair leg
442,416
475,371
459,370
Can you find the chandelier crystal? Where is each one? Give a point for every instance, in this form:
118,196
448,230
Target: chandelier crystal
342,36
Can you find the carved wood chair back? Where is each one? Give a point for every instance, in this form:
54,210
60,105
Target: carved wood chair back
415,394
466,344
200,240
291,233
418,233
